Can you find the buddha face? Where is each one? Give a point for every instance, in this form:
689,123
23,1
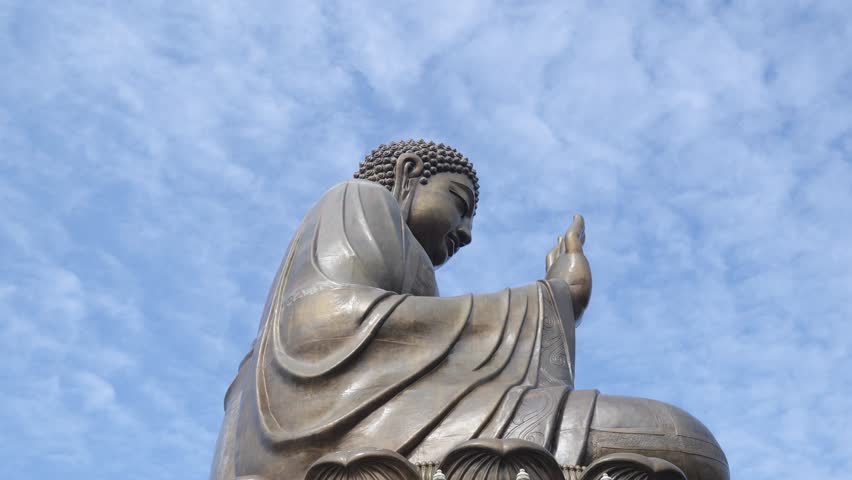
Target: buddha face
441,215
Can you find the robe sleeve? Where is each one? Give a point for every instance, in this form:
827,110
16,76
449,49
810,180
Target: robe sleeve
354,351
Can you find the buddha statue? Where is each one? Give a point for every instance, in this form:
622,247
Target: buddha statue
356,349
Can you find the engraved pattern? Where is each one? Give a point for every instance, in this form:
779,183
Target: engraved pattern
535,419
554,368
532,422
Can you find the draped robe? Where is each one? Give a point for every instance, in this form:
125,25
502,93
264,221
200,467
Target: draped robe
356,349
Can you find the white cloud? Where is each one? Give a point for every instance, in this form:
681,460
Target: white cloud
97,393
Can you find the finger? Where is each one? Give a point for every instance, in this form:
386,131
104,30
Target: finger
576,235
551,257
561,244
548,260
578,225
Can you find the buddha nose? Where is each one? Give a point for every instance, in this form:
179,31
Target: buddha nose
463,232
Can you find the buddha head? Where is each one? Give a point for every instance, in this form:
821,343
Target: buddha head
437,190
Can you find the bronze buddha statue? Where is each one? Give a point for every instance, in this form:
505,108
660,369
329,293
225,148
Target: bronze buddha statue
356,349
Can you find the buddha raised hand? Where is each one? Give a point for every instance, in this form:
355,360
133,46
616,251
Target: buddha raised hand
567,262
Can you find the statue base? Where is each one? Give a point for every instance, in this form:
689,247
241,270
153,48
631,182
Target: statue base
489,459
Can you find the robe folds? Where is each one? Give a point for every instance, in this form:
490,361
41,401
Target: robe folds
356,349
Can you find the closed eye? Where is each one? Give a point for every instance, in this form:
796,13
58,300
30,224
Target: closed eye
464,205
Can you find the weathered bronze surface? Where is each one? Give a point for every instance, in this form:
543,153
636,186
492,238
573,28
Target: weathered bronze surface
357,351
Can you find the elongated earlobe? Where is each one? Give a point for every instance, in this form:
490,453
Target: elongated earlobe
408,168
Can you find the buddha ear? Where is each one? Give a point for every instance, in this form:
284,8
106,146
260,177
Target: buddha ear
407,171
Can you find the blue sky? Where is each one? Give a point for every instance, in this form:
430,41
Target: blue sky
156,157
